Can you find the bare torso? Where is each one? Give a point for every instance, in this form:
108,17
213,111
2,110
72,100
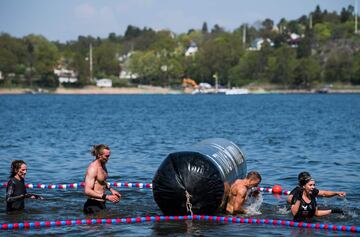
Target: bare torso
236,197
97,179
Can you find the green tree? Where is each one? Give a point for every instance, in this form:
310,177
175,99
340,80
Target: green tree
218,55
43,54
338,65
355,70
105,59
322,32
346,14
283,69
307,72
204,28
12,54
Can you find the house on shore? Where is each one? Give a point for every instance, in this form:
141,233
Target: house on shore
191,51
65,75
104,83
257,44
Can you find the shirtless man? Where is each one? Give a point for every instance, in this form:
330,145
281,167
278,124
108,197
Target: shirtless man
95,181
239,190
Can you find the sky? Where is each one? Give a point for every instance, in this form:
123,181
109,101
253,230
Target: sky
65,20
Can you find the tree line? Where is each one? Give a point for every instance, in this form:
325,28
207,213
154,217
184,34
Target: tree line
327,51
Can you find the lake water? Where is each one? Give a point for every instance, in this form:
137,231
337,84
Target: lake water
281,135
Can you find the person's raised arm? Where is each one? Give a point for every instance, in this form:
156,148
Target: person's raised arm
326,193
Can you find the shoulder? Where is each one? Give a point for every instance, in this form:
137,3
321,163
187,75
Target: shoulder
315,192
92,169
11,181
239,189
295,190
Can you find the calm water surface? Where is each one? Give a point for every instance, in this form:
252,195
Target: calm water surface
281,135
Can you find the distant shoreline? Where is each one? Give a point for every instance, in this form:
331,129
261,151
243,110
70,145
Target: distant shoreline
93,91
152,90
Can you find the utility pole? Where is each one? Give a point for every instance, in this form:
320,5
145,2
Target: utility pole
91,63
356,27
310,21
244,35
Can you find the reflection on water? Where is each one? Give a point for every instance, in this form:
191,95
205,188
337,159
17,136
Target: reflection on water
281,135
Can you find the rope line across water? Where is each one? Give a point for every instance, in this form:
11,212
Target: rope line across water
221,219
119,185
81,185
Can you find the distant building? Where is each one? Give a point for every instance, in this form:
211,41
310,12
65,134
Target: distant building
191,51
65,75
127,75
1,76
257,44
107,83
124,73
294,39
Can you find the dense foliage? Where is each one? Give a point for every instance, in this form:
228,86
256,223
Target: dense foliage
327,51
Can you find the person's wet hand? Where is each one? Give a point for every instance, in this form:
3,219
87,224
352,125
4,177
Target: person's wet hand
114,192
113,198
341,194
34,196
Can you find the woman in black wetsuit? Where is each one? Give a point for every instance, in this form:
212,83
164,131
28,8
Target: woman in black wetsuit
16,190
303,204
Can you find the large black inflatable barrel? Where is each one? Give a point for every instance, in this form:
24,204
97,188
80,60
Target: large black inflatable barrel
205,171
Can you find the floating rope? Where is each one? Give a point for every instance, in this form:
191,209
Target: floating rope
81,185
222,219
119,184
270,190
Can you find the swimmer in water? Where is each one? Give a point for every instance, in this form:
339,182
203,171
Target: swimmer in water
16,190
95,181
316,192
304,205
238,192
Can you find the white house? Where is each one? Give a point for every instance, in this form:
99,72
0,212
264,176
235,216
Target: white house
65,75
128,75
294,39
104,83
258,43
192,49
1,76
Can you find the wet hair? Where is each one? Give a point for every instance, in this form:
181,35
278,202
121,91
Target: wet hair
99,149
304,177
253,175
303,174
15,166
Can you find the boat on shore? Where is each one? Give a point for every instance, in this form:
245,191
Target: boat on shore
236,91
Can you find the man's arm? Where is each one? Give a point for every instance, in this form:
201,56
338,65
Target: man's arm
90,178
325,193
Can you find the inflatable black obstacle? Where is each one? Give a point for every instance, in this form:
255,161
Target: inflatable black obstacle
200,176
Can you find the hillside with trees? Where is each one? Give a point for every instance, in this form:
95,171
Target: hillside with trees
316,49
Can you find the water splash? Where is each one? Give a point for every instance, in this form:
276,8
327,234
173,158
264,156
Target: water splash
284,210
253,204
